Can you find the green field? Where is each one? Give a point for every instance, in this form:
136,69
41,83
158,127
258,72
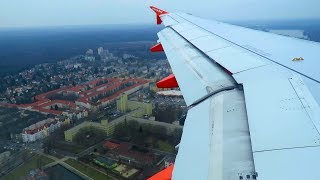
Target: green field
165,146
35,162
87,170
75,149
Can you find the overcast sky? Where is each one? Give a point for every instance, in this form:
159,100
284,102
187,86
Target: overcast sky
22,13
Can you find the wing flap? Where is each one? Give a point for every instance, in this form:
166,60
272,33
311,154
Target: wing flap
215,143
275,112
293,164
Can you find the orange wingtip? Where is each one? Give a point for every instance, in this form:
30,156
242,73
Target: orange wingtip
158,11
165,174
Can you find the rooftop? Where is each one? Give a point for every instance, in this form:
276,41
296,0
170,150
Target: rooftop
103,89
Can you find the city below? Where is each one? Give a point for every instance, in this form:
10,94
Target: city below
82,102
92,116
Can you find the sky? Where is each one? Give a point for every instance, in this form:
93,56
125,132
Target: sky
29,13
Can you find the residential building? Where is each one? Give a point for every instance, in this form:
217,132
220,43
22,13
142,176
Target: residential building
42,129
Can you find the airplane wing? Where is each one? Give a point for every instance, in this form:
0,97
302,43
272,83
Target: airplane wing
253,112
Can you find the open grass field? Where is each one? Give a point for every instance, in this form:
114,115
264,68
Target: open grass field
75,149
165,146
125,171
35,162
87,170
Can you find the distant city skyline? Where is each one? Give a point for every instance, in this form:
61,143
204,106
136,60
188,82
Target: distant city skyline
30,13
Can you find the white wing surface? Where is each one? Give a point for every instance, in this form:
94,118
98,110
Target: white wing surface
251,115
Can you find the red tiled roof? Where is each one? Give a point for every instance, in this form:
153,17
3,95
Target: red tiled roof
39,103
8,105
54,102
94,82
76,88
111,145
117,94
47,111
44,95
43,102
37,129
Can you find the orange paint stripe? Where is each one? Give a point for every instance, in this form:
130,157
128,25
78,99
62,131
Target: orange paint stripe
165,174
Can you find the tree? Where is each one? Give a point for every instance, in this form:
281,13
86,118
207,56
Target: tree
176,136
166,114
48,78
159,131
133,126
120,131
96,70
89,136
152,93
48,145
